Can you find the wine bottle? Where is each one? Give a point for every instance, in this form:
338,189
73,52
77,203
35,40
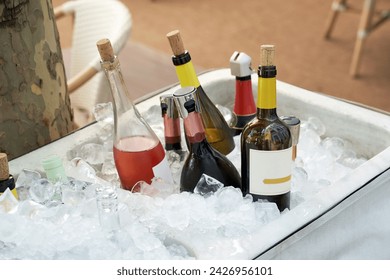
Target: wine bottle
7,181
294,125
138,153
244,103
203,159
218,132
170,115
266,142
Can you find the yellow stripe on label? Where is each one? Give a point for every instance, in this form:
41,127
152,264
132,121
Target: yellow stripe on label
277,180
266,93
187,75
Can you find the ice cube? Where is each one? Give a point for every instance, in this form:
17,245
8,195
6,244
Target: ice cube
266,211
228,199
207,185
42,191
108,171
317,125
104,113
352,162
73,192
157,188
25,178
8,202
175,210
299,177
92,153
335,146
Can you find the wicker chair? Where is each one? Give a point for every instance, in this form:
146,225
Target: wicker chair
92,20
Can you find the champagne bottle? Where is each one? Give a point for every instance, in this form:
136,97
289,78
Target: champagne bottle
244,103
203,159
266,142
138,153
218,132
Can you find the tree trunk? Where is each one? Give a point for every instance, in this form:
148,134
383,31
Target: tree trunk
34,103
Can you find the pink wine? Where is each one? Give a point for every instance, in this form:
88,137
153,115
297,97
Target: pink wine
135,158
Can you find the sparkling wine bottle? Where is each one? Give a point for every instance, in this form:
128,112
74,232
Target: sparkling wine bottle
175,154
244,103
138,153
204,164
218,132
172,131
266,150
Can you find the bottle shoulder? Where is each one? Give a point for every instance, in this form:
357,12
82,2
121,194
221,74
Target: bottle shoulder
267,134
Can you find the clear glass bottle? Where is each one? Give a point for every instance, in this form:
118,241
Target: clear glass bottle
244,103
138,153
218,132
266,152
203,159
107,205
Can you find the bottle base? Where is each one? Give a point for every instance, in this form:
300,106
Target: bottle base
282,201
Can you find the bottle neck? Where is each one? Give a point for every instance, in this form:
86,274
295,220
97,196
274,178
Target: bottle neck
120,94
244,103
266,92
185,70
172,133
194,128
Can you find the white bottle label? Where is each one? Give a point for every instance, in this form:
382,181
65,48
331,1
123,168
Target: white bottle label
270,171
163,171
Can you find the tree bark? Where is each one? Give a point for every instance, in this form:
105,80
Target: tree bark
34,103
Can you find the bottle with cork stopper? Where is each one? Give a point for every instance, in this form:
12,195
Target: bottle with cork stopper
266,142
138,153
218,132
7,181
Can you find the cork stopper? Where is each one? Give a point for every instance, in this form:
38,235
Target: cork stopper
105,50
267,53
4,169
176,42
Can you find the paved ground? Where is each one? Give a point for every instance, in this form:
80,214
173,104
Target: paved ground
213,30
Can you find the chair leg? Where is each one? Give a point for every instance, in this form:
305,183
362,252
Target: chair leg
337,7
363,31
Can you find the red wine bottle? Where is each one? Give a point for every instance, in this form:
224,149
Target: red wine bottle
203,160
266,152
244,103
138,153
